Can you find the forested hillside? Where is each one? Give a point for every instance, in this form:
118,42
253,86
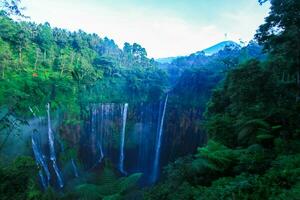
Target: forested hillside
71,69
81,118
253,125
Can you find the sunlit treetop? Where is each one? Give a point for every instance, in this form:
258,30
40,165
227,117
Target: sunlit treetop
12,7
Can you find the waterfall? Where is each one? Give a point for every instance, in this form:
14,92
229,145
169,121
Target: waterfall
108,123
42,179
158,141
39,157
93,131
50,135
52,149
57,172
32,111
100,151
124,119
97,131
101,130
74,168
40,161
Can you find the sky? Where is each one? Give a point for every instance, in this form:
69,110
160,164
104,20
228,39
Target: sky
164,27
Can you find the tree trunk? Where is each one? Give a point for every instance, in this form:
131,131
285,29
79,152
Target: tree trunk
62,65
36,59
20,55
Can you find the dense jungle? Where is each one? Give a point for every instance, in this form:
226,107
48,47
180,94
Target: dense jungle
82,118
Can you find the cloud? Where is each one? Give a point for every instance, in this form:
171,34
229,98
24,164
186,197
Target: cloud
241,25
161,32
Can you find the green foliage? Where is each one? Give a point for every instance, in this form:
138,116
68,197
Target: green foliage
133,85
108,186
217,157
113,197
255,113
236,117
279,36
50,194
71,70
22,175
193,88
251,173
252,119
11,7
129,182
52,64
104,184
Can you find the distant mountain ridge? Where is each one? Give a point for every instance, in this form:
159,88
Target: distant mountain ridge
228,54
220,46
165,60
208,51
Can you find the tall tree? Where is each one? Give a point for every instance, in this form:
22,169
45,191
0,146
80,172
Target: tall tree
12,7
280,37
5,57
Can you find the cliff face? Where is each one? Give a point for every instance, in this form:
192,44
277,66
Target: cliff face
99,136
182,132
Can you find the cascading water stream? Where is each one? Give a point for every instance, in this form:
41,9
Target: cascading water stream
101,133
39,157
74,168
57,172
43,181
97,134
32,111
158,142
93,130
100,151
52,150
40,161
122,144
